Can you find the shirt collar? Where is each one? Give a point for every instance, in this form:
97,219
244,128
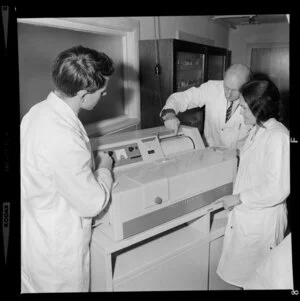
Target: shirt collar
266,125
63,109
269,123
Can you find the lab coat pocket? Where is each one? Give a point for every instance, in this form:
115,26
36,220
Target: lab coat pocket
252,225
229,134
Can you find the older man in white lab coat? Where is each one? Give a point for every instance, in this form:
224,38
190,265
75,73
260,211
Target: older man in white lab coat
258,220
61,187
224,125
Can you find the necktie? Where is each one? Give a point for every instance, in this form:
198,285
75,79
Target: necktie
228,112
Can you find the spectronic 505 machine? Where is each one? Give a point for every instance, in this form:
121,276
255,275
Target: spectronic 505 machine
161,181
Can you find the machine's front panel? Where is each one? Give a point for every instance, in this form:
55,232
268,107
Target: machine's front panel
159,189
159,221
160,216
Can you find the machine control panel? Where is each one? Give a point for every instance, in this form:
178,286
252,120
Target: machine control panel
125,154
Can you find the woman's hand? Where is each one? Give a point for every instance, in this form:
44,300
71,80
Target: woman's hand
230,201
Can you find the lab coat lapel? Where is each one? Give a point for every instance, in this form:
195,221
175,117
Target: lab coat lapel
67,113
235,115
253,139
87,142
63,110
222,112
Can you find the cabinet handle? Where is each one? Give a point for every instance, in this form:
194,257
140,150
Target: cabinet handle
158,200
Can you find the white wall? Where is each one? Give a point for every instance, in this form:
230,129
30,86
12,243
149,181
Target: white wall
235,40
200,26
267,33
38,47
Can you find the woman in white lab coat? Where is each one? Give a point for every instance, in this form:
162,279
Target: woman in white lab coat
61,188
258,220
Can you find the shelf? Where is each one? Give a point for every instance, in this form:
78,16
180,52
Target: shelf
153,251
188,68
182,271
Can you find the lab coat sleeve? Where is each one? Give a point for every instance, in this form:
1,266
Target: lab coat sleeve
86,192
188,99
104,178
275,185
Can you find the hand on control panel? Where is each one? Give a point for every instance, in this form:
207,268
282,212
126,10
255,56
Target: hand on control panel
104,160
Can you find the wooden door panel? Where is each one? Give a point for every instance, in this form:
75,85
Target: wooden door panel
274,62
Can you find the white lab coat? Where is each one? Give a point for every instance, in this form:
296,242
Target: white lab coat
231,134
276,272
257,225
60,194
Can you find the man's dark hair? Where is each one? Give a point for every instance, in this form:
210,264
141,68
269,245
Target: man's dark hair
81,68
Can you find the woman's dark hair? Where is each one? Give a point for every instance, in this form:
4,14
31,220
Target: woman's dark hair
262,98
81,68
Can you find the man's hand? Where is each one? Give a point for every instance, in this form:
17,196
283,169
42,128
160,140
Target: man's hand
230,201
172,122
103,160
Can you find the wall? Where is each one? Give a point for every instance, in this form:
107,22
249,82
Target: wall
38,47
167,27
267,33
275,65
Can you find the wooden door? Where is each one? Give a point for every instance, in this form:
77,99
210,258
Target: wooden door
273,61
155,88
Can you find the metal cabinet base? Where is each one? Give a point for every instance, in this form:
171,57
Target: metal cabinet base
215,282
183,271
181,258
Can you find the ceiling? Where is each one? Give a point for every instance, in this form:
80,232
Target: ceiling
239,20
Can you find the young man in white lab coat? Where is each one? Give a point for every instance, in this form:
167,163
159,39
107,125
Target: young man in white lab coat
62,188
258,220
221,129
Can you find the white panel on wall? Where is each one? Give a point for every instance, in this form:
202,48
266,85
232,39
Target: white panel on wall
121,29
200,26
38,46
181,35
265,33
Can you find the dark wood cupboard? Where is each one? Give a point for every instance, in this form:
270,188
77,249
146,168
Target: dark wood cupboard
170,65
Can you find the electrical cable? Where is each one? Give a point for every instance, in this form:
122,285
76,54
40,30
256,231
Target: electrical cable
157,68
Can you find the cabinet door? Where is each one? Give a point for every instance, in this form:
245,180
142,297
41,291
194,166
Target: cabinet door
155,88
217,62
187,270
190,71
215,282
